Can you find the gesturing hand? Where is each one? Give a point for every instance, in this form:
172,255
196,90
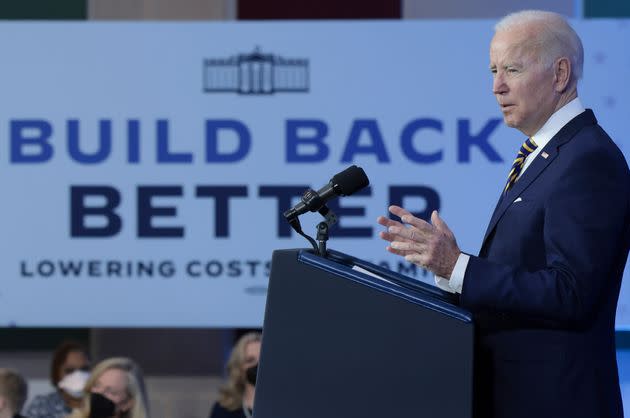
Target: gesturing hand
429,245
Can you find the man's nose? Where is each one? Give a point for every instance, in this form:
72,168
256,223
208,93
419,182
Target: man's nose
498,84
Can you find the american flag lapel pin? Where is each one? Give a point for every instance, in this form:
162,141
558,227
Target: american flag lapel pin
544,155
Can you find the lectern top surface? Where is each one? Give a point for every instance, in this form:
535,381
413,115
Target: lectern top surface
388,281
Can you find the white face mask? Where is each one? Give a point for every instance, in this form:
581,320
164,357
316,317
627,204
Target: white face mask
74,383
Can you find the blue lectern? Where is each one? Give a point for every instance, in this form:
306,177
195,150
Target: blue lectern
343,338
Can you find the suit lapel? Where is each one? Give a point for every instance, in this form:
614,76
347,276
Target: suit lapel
538,166
533,171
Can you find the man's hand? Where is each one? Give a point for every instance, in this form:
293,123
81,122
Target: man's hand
429,245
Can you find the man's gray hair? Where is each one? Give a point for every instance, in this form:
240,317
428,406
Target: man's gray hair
557,37
13,389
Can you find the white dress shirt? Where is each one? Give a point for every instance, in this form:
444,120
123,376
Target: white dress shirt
553,125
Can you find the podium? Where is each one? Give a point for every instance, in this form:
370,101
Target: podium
344,338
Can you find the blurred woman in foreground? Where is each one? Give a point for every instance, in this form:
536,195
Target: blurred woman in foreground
115,390
236,396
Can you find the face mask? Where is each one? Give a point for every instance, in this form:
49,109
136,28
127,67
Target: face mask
74,383
101,407
250,374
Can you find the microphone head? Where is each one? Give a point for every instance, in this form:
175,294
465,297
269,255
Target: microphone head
349,181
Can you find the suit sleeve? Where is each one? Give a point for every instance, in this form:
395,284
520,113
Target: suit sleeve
585,238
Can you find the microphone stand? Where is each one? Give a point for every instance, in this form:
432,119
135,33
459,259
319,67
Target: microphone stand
322,228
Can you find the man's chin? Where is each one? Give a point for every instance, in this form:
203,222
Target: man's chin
509,121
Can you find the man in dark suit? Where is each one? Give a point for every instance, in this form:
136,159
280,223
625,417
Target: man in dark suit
545,284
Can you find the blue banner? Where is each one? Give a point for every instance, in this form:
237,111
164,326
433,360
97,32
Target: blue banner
145,166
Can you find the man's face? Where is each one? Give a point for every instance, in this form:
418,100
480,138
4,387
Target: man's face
523,88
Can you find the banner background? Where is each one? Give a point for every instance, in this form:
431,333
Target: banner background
368,81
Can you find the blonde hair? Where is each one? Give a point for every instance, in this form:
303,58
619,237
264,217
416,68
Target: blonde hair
231,393
556,37
135,388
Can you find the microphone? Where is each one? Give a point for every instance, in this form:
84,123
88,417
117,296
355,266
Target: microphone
345,183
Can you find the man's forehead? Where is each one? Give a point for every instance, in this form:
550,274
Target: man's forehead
511,46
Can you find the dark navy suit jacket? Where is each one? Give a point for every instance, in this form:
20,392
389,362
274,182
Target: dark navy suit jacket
545,285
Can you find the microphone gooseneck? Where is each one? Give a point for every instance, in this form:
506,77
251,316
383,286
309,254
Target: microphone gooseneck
345,183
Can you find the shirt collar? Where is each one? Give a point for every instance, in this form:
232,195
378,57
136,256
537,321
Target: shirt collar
557,121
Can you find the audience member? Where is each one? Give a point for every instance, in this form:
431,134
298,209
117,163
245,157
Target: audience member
70,363
236,396
13,392
115,390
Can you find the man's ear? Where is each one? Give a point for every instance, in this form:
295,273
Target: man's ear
562,74
3,403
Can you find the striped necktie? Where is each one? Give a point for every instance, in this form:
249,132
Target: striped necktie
527,148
